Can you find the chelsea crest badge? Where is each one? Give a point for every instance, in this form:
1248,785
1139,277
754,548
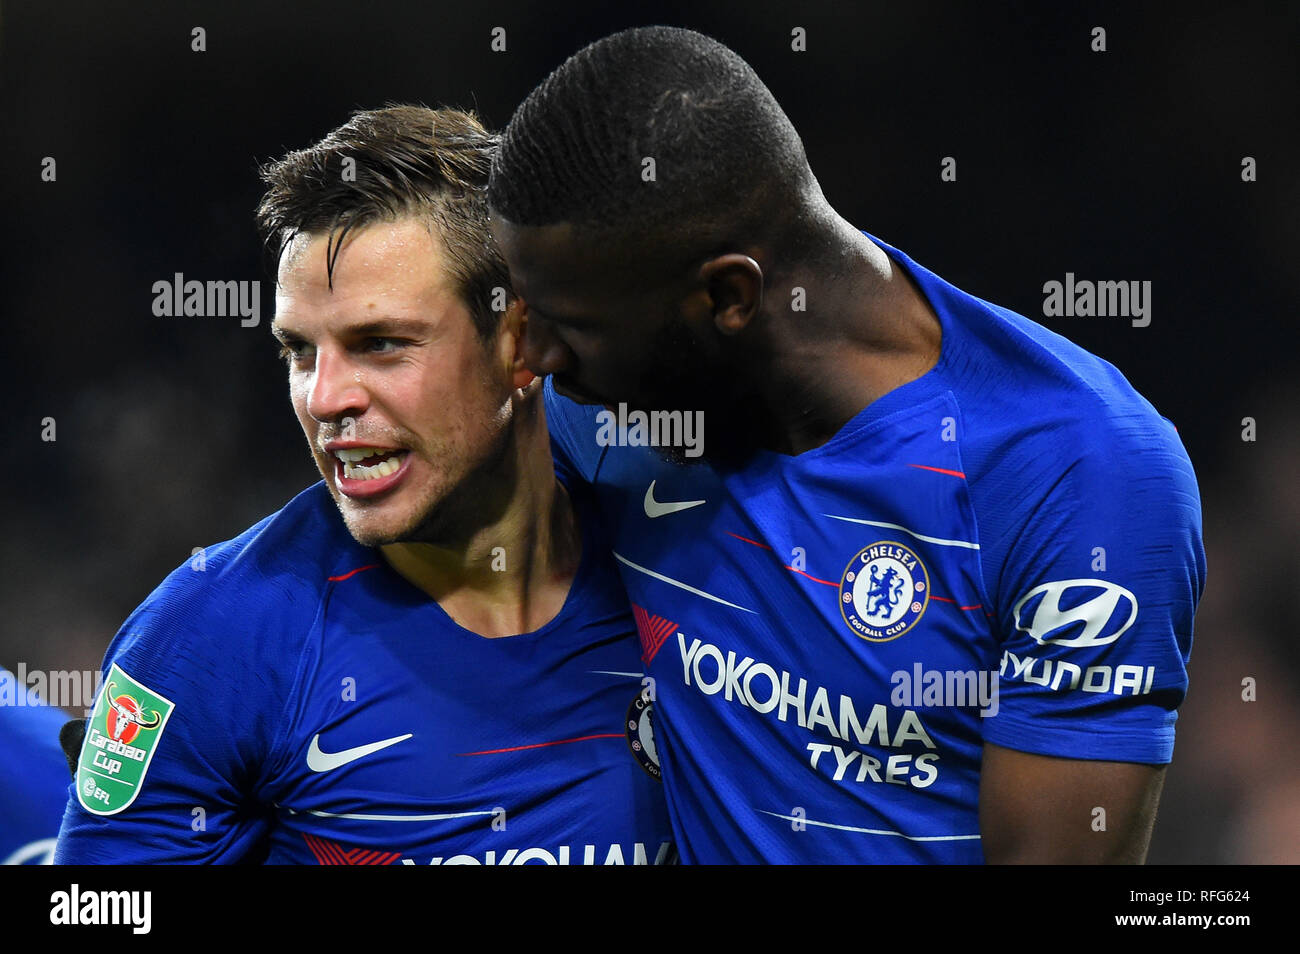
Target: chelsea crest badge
884,591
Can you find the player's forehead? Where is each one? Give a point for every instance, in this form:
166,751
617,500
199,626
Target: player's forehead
387,265
400,249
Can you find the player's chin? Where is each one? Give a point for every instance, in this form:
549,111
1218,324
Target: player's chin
372,537
378,521
416,514
375,529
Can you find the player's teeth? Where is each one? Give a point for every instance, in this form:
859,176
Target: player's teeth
385,467
354,454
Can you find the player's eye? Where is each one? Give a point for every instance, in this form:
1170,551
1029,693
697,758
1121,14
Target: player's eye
292,350
383,345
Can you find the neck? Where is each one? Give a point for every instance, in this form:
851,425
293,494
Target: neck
507,566
866,331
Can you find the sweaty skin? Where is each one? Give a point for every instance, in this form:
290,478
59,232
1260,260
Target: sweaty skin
389,357
1035,809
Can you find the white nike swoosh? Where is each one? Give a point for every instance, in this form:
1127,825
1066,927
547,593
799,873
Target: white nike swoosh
654,508
319,761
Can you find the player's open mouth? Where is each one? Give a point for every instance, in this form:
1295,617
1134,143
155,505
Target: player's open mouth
365,471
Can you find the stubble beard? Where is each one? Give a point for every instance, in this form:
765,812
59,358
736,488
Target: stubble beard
454,506
444,503
467,504
681,375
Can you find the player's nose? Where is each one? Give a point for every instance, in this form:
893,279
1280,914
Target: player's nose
543,351
337,389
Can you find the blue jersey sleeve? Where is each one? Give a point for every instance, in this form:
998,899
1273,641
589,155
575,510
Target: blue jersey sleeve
204,669
1095,593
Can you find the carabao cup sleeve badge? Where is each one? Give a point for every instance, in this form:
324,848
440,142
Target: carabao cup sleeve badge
884,591
125,726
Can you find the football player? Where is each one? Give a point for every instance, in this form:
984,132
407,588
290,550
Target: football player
924,589
426,657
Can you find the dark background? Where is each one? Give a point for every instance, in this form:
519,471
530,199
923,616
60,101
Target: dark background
174,433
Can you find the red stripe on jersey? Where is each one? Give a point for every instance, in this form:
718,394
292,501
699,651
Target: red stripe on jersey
351,573
811,577
944,599
939,470
786,565
542,745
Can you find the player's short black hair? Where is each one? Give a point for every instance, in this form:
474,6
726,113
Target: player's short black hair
726,157
391,162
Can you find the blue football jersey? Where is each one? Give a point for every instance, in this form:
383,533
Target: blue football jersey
1007,549
287,697
33,774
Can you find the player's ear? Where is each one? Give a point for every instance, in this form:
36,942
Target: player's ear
735,287
514,321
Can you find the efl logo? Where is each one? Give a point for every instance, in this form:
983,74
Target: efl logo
1103,617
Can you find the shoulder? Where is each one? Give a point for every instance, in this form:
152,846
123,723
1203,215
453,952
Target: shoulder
1043,419
235,616
1020,380
269,570
1070,469
1068,443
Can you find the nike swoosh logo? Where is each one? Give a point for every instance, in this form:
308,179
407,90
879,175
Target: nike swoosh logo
654,508
319,761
